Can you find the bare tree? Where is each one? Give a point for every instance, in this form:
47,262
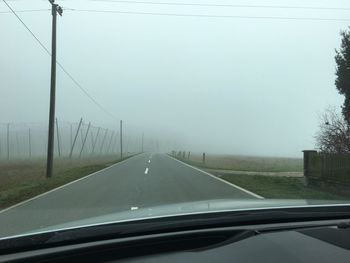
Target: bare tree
334,133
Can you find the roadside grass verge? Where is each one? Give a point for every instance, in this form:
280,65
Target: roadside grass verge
26,179
274,187
280,187
246,163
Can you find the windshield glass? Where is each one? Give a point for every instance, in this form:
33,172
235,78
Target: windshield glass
121,110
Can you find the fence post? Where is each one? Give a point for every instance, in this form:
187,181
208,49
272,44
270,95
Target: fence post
86,135
75,138
58,139
103,141
71,135
110,142
121,140
94,145
188,155
8,141
17,145
307,171
91,138
0,147
203,158
81,133
115,147
29,144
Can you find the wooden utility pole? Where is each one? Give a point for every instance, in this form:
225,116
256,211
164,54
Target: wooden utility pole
50,145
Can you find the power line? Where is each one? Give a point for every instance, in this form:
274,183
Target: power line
210,16
224,5
60,65
30,31
25,11
84,91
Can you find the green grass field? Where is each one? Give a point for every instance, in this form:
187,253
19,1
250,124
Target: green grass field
247,163
280,187
21,180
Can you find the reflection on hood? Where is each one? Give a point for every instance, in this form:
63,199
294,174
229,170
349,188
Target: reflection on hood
187,208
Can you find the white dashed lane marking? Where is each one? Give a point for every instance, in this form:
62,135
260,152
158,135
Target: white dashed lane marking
146,171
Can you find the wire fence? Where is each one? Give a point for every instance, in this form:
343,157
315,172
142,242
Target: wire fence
72,140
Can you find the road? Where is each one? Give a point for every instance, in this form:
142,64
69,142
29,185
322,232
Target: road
143,181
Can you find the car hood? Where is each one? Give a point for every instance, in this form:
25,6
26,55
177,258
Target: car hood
188,208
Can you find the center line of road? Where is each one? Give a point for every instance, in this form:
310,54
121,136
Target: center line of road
146,171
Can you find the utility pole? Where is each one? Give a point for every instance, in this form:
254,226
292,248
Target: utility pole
121,139
50,145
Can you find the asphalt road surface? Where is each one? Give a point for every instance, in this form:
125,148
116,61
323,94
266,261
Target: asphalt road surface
143,181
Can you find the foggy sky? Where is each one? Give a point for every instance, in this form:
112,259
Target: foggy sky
221,85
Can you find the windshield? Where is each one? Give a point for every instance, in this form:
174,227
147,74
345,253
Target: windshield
121,110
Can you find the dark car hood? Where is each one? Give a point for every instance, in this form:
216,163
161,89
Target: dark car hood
187,208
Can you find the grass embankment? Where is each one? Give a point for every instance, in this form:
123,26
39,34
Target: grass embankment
247,163
21,180
279,187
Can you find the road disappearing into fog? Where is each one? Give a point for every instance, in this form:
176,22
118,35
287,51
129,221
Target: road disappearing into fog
142,181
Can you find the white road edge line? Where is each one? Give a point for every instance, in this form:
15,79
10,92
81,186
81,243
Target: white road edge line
57,188
217,178
146,171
